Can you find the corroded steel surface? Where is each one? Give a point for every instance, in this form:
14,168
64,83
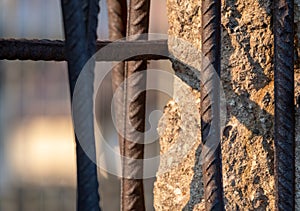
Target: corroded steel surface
54,50
211,50
284,105
80,45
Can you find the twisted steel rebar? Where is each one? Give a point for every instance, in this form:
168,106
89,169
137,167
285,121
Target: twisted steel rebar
117,19
80,45
91,26
211,50
284,105
54,50
132,196
117,22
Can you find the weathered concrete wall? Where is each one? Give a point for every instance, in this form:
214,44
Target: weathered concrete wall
248,82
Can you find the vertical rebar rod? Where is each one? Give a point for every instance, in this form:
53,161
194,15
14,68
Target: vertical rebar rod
284,105
117,22
132,196
211,52
80,45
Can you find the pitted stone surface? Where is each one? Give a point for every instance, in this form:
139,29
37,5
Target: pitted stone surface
248,81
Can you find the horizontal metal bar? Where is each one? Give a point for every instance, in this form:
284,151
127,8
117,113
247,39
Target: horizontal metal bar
54,50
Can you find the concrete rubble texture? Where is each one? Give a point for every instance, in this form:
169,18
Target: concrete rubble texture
247,77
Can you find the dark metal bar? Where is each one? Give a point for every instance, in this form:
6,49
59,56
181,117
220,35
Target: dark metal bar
132,182
117,16
91,27
54,50
284,105
211,50
77,54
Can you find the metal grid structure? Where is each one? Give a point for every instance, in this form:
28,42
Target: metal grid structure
80,23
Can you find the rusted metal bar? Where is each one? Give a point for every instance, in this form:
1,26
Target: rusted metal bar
54,50
132,196
117,23
284,105
91,26
117,16
117,19
13,49
211,50
79,46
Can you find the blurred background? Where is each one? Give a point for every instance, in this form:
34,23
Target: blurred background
37,151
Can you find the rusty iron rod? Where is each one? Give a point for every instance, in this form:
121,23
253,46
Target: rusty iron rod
117,16
211,50
80,44
54,50
132,196
117,22
284,105
91,26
